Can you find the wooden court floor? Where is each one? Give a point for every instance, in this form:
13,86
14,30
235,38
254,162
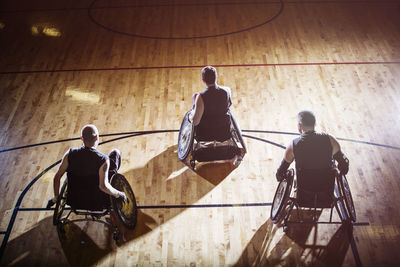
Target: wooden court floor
132,66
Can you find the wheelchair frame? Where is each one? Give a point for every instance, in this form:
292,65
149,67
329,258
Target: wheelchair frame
128,219
285,201
188,144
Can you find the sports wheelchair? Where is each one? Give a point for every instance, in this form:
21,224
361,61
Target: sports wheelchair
312,190
95,205
212,146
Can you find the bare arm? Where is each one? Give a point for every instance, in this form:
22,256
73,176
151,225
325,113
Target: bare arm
339,156
229,98
335,145
287,160
289,155
57,177
104,184
198,109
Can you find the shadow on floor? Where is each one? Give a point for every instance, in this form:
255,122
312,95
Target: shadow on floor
163,180
271,247
39,246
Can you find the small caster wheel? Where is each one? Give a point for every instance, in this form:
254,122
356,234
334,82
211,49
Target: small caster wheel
192,164
285,229
116,235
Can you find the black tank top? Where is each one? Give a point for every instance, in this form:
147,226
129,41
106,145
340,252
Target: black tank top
216,106
312,151
85,161
83,179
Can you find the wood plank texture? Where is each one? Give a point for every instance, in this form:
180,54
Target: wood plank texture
64,64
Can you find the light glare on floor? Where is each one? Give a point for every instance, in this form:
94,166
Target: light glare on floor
45,30
82,96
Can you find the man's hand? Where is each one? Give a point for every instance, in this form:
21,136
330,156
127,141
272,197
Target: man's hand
343,162
286,175
279,177
51,202
281,171
123,196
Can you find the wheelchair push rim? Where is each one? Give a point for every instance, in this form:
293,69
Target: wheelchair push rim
348,199
237,133
186,137
280,198
60,204
126,212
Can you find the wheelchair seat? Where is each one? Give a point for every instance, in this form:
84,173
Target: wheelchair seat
210,143
315,188
210,151
219,134
84,193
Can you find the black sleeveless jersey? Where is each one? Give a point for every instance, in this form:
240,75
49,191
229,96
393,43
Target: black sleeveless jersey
83,179
85,161
216,106
312,151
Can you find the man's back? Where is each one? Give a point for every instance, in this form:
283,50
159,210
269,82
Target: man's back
312,150
85,161
215,120
83,179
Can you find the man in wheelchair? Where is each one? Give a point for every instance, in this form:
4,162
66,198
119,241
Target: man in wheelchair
312,150
318,185
88,172
211,115
210,112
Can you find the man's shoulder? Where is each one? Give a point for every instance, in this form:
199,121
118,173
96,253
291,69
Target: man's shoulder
226,88
101,154
324,134
85,150
74,150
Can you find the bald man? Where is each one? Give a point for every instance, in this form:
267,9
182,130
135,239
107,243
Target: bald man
88,161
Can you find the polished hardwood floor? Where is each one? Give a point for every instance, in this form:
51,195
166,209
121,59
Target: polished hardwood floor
133,66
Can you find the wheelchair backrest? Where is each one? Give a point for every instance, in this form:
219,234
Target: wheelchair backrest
84,193
218,133
315,187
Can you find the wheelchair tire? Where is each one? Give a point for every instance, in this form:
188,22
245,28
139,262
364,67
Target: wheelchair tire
60,204
185,137
237,133
126,212
348,199
281,198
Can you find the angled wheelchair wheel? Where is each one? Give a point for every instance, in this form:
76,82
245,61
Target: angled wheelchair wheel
281,197
348,199
237,133
185,137
126,211
60,204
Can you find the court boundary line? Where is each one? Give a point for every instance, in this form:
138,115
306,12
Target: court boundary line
201,66
137,133
216,35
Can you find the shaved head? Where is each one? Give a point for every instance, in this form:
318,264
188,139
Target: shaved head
89,134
